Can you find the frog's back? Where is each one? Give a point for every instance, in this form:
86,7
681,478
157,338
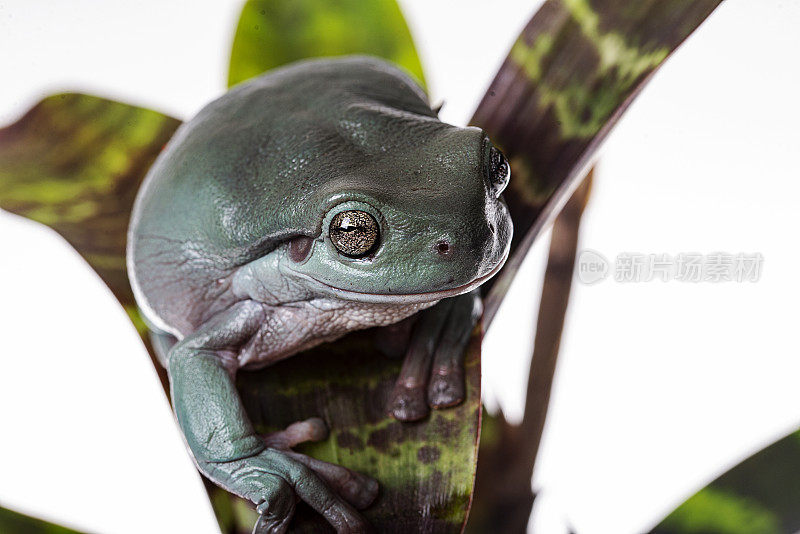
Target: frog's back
242,176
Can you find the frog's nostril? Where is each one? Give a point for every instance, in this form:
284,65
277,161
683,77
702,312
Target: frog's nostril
443,248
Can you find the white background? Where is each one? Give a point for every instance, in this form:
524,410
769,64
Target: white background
660,386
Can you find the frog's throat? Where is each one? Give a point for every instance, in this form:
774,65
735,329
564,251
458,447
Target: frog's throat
410,298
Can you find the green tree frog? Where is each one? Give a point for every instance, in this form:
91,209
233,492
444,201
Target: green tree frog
317,199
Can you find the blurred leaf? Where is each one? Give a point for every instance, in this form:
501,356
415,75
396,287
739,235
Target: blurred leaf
575,68
272,33
15,523
761,495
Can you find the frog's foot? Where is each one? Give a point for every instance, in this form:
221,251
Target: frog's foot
275,480
433,371
357,489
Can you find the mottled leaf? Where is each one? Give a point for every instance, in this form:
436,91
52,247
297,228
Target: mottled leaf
568,78
15,523
74,163
761,495
575,68
503,493
425,469
273,33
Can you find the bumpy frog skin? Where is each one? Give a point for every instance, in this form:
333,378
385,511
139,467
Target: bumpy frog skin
320,198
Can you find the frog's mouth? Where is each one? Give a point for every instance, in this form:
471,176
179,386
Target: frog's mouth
409,298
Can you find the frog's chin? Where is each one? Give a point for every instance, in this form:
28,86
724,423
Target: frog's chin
409,298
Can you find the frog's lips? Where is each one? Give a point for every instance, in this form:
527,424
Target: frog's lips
410,298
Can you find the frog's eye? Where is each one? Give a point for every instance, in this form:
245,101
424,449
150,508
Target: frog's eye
498,172
354,233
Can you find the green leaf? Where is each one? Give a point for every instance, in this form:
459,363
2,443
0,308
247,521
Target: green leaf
273,33
426,469
761,495
74,163
16,523
575,68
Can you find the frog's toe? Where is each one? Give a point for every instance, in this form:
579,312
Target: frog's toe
446,383
433,371
446,386
357,489
267,524
276,507
313,429
408,401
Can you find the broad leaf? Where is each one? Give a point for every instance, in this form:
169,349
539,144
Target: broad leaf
575,68
74,163
761,495
503,494
568,78
272,33
425,469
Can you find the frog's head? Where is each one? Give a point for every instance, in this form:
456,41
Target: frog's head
413,215
339,170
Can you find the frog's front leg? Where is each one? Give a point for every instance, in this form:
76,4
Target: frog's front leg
222,440
433,370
